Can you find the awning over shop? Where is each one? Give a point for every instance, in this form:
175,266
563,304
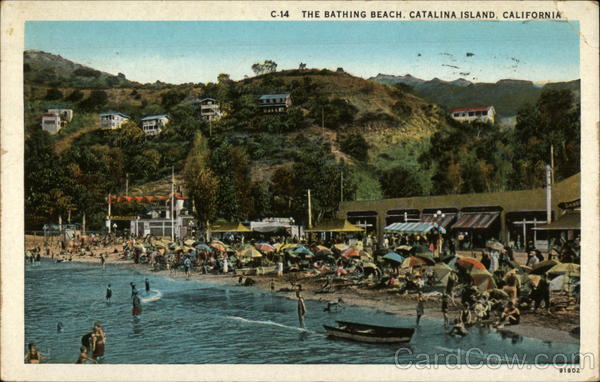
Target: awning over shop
229,227
338,225
268,226
414,227
476,220
444,222
569,221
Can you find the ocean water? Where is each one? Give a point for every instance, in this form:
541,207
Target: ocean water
194,322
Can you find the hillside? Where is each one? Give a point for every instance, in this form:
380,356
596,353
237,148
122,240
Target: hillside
47,69
384,116
506,95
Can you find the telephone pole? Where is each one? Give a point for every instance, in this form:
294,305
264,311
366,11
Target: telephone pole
172,203
126,184
309,212
342,186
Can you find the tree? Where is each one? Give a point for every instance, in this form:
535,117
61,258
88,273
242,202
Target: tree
302,66
96,100
75,96
53,94
201,182
355,145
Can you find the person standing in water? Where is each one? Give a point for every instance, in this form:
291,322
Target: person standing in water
137,305
420,307
147,284
187,264
301,308
98,340
133,290
103,261
108,293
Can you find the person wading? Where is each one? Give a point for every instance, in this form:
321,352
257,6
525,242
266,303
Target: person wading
301,308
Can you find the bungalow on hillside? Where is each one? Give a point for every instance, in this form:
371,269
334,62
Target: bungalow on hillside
51,123
485,114
112,120
275,103
64,112
153,124
210,109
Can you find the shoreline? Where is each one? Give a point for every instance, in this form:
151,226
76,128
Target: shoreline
540,326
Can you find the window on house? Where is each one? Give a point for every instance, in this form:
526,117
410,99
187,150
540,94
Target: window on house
477,113
484,112
456,114
471,113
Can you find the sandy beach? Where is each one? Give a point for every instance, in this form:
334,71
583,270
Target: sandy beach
540,325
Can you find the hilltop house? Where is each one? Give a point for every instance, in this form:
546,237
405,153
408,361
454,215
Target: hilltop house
153,124
64,112
112,120
486,114
274,103
51,123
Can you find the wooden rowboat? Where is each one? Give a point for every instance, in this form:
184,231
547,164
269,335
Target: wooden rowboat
370,333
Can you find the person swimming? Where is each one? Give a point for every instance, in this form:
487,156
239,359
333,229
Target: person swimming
33,355
83,356
59,327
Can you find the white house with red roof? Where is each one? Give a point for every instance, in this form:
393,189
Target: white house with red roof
485,114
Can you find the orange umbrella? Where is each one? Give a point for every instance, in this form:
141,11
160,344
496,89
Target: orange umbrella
264,247
470,263
218,245
351,252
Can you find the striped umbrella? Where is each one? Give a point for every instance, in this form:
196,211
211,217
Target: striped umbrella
543,267
322,248
302,250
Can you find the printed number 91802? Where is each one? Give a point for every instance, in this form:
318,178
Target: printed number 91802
569,370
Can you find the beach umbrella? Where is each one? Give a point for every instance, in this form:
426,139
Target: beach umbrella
341,247
543,267
493,244
250,252
265,247
470,263
427,257
189,242
394,257
561,268
203,247
498,293
413,261
351,252
442,272
406,248
533,279
218,246
482,279
322,248
302,250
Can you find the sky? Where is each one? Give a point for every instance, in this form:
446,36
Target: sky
198,51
